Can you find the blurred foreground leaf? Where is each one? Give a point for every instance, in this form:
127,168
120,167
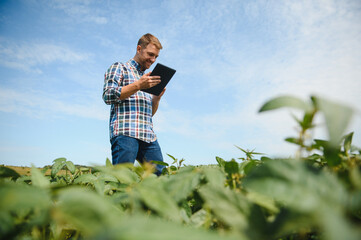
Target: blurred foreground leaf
285,101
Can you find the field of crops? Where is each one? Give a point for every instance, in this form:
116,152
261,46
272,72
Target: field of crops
315,195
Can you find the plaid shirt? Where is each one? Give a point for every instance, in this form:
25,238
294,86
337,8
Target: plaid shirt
132,116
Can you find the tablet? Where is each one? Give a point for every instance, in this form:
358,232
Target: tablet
165,73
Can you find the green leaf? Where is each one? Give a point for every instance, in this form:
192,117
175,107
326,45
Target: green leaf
199,218
319,144
296,141
86,178
332,155
347,142
231,167
155,197
182,184
263,201
174,159
19,197
285,181
87,211
337,118
38,179
160,163
336,227
140,227
214,176
8,172
249,166
307,193
120,172
307,120
71,167
108,163
220,161
285,101
63,160
22,208
231,207
59,163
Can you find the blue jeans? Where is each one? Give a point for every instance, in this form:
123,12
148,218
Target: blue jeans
126,149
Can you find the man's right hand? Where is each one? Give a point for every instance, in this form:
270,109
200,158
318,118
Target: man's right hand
147,81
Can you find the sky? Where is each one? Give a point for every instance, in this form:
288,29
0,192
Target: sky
231,57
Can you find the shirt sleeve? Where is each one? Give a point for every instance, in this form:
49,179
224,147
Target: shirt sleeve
112,84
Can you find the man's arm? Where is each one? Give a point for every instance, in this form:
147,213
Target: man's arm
113,92
146,81
155,102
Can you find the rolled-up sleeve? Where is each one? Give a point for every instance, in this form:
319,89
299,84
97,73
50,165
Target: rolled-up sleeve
112,84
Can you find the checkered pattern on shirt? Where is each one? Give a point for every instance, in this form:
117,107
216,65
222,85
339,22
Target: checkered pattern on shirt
132,116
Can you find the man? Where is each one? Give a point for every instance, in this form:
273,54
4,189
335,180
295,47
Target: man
131,127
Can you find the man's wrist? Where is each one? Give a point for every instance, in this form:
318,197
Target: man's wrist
137,86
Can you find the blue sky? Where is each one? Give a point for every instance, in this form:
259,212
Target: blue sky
230,56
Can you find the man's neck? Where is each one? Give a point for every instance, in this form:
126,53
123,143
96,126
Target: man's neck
137,60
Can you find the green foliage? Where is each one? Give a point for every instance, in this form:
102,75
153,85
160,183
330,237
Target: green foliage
316,195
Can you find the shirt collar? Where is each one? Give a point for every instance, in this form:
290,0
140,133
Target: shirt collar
136,65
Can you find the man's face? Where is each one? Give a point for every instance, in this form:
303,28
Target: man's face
147,55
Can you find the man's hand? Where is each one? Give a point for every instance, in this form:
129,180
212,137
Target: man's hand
144,82
147,81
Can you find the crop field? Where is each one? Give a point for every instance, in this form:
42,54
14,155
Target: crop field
314,195
27,170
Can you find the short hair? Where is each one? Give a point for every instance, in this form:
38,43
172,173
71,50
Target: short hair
149,38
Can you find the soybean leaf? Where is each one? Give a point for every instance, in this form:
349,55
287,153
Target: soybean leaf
220,161
22,207
70,166
59,163
108,163
38,179
214,176
263,201
172,157
231,207
160,163
63,160
337,118
106,177
87,211
285,101
296,184
182,184
305,191
6,172
249,166
199,218
347,142
155,197
231,167
296,141
85,179
140,227
335,226
120,172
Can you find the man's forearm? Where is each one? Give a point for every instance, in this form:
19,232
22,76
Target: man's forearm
129,90
155,105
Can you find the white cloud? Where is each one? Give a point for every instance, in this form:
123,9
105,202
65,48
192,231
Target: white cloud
81,11
32,56
316,50
43,105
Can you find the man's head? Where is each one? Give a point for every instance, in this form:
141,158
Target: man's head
147,50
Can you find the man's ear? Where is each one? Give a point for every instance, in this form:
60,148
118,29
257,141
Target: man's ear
139,48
